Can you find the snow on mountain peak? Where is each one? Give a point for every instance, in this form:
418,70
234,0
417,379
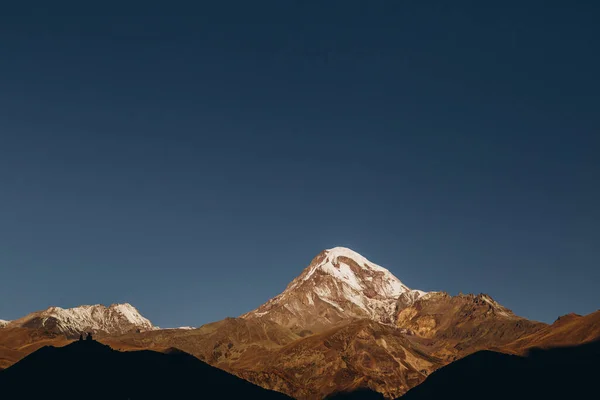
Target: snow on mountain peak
345,280
352,268
115,319
3,323
131,314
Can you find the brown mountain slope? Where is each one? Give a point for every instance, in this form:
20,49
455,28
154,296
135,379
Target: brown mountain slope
338,285
460,325
222,343
357,354
568,330
16,343
360,354
344,323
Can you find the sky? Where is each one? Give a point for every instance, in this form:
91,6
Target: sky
192,158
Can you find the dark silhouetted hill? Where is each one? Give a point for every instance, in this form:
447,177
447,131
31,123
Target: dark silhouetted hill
90,370
558,373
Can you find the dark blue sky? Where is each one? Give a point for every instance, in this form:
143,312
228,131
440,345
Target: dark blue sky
191,160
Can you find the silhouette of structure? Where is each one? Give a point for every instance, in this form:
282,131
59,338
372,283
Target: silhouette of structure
81,337
89,336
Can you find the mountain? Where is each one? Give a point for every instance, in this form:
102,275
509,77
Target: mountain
567,330
223,343
427,333
116,319
88,369
342,325
360,354
338,285
3,323
462,324
16,343
559,373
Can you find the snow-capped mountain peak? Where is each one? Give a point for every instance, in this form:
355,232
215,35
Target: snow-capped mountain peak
349,267
3,323
115,319
338,284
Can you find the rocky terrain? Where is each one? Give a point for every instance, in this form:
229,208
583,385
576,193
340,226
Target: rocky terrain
339,285
459,325
112,320
567,330
343,324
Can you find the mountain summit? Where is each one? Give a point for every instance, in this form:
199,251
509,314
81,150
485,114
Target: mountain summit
115,319
339,284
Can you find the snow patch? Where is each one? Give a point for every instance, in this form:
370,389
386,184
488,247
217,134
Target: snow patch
390,285
333,303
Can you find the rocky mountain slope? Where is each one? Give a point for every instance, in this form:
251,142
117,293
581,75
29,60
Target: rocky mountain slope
344,323
567,330
360,353
338,285
459,325
224,343
16,343
115,319
427,333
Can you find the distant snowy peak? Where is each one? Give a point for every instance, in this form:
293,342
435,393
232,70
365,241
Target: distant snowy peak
115,319
3,323
338,284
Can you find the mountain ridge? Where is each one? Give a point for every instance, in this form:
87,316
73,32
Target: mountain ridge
338,285
114,319
343,324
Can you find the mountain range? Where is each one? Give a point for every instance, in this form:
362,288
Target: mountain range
343,324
